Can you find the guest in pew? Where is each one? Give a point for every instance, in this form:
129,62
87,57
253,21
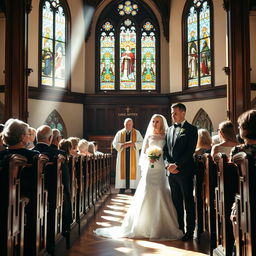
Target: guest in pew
228,139
74,141
2,146
97,152
91,148
15,136
247,132
32,138
204,142
65,145
83,146
56,137
44,138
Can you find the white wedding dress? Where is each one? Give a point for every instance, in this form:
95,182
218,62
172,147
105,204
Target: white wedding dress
152,213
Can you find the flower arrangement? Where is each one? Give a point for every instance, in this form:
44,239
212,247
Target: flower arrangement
153,153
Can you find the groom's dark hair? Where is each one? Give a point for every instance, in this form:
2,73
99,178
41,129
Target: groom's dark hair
180,106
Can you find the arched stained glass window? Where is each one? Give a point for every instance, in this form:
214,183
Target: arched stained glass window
127,55
128,46
148,57
107,57
54,43
198,50
55,121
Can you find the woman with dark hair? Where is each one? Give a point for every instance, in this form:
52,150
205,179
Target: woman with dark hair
228,139
247,131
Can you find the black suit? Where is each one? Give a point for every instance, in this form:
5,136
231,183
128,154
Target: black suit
180,152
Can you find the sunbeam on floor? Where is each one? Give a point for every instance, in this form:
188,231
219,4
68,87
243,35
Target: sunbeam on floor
112,214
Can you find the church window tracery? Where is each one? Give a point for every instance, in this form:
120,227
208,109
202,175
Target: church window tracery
128,48
198,47
54,35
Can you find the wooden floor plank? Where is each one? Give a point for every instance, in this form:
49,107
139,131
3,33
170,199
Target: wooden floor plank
111,214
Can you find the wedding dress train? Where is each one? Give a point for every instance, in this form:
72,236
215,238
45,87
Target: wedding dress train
152,213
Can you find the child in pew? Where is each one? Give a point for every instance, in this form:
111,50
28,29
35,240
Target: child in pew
247,131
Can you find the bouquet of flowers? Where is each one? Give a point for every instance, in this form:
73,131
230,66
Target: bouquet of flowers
153,153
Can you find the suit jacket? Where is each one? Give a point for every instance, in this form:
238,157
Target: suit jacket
181,151
47,150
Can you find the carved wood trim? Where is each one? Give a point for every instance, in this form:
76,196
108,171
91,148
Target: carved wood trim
197,95
55,95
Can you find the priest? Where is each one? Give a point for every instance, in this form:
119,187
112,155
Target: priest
128,143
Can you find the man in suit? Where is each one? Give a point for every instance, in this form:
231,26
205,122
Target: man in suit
44,135
180,145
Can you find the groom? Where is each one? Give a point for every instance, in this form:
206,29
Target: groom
180,145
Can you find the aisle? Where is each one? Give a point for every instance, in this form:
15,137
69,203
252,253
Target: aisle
111,214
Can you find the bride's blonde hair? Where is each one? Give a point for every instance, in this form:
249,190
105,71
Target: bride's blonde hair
162,127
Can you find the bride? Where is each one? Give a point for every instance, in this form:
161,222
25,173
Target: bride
152,213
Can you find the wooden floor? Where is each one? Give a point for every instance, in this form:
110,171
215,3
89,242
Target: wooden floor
111,214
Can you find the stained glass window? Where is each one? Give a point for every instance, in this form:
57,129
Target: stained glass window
198,63
127,56
54,120
107,57
54,44
148,57
127,43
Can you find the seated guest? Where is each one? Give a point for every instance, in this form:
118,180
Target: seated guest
96,149
44,140
74,141
228,139
56,137
83,148
32,138
247,132
91,148
204,142
15,136
66,146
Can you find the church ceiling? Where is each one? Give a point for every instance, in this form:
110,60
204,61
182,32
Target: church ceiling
163,7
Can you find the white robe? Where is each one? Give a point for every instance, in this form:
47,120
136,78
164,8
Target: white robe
121,183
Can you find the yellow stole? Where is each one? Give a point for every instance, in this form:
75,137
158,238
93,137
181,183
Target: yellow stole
133,164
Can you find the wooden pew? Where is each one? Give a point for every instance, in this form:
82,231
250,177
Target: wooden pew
225,193
53,178
12,210
198,185
72,163
208,201
33,186
245,200
93,166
